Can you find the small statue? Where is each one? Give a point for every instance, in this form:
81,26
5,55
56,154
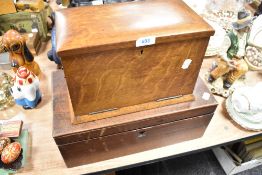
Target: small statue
254,50
20,55
232,64
26,88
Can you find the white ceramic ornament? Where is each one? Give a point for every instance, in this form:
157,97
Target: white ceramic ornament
26,88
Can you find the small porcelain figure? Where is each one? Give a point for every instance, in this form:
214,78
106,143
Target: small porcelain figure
26,88
254,50
19,54
255,38
232,64
216,41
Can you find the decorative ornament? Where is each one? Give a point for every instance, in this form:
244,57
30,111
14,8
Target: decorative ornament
26,88
253,55
6,99
4,141
20,55
11,152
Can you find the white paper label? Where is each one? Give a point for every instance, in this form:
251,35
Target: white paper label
146,41
34,30
97,2
206,96
186,63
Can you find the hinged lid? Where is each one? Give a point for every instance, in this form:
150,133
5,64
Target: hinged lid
97,28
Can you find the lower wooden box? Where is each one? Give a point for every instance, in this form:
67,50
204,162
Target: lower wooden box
126,134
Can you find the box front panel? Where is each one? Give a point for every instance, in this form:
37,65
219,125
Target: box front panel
64,132
103,148
126,77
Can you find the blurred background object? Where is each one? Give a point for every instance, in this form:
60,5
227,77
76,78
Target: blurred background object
9,7
259,9
77,3
32,16
30,5
5,63
6,99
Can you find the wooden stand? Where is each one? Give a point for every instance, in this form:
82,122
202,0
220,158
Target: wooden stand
126,134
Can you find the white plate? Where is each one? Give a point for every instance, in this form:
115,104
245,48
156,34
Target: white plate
242,119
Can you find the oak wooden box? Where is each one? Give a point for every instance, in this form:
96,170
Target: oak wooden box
126,134
107,75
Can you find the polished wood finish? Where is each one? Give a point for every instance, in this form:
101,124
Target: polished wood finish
99,28
64,132
9,7
104,148
123,78
130,109
106,72
113,137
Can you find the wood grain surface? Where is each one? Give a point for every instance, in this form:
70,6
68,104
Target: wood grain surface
126,143
64,132
100,28
113,78
129,133
122,78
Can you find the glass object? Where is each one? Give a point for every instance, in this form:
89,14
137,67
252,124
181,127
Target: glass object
6,99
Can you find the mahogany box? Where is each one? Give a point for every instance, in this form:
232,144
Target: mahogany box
126,134
129,57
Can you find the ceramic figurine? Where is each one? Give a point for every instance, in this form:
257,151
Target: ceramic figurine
11,152
20,55
254,50
216,41
255,37
232,65
26,88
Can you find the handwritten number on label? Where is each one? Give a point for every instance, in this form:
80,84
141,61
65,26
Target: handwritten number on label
145,41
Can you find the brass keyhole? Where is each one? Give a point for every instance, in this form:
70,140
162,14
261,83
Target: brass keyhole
141,134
